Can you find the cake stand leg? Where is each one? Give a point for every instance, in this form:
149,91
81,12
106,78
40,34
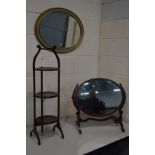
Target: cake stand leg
34,130
60,129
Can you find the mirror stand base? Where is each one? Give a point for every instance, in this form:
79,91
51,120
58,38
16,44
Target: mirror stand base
114,118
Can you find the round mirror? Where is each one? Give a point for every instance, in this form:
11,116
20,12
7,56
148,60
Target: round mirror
60,27
98,97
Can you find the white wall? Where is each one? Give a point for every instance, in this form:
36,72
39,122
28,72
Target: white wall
114,44
77,66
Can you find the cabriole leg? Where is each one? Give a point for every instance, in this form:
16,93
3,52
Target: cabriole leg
120,120
78,122
34,130
60,129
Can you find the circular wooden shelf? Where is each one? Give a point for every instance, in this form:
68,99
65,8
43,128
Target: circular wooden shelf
46,68
46,94
47,119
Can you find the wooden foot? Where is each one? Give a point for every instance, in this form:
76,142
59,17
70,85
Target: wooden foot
120,120
60,129
34,130
122,127
78,122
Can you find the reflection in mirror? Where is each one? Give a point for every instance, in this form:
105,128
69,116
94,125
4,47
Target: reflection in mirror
63,32
60,27
96,95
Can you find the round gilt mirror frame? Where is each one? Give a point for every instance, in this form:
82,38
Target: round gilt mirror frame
53,10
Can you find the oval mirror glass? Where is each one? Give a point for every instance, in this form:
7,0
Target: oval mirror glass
60,27
98,97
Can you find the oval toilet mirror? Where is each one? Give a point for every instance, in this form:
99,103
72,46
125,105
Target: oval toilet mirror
106,91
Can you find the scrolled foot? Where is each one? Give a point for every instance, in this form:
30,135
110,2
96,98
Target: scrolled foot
59,127
77,123
62,135
34,130
122,127
38,141
54,127
31,133
80,132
